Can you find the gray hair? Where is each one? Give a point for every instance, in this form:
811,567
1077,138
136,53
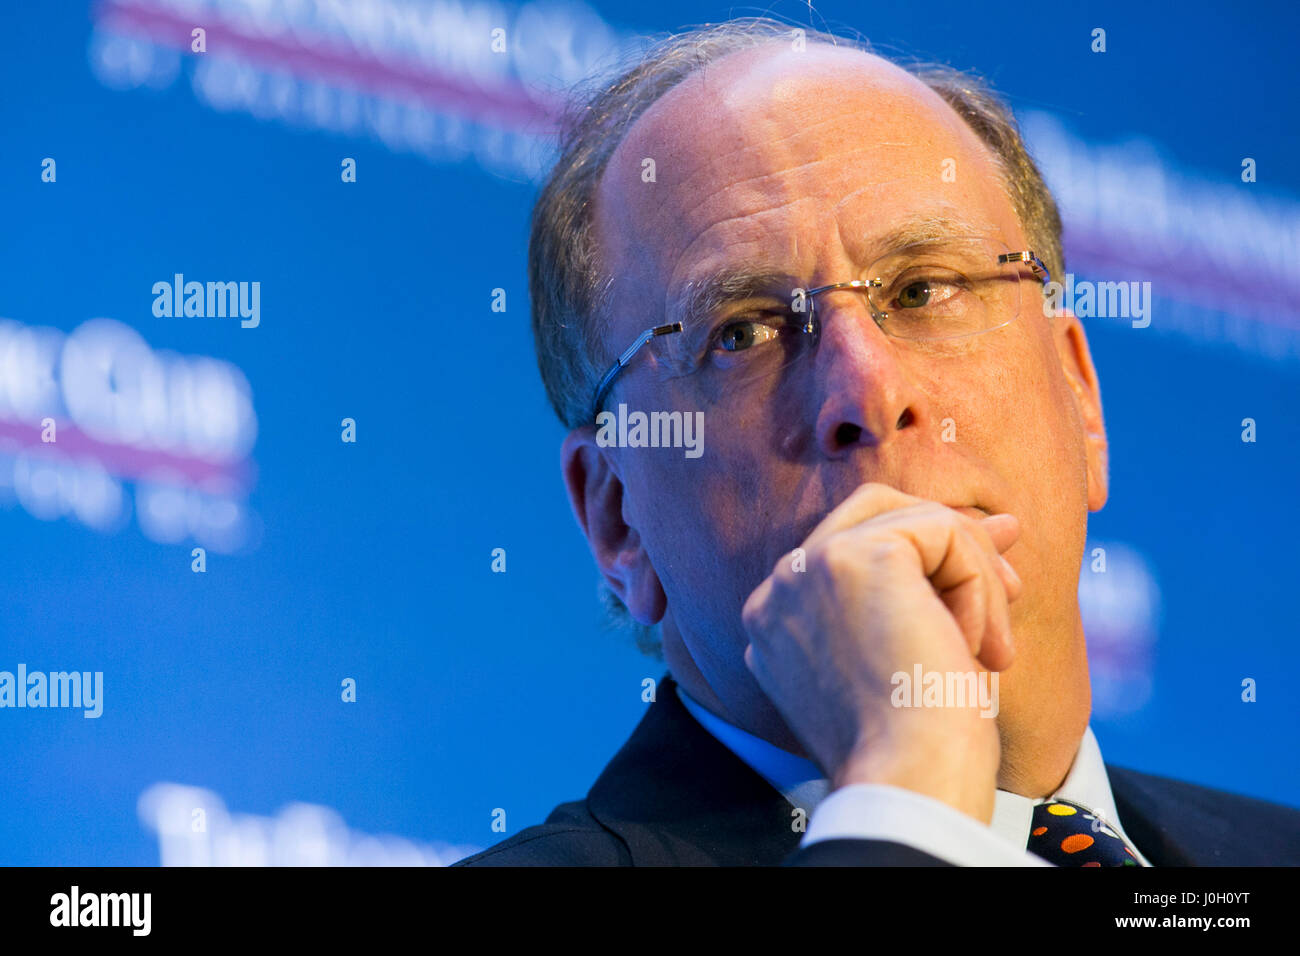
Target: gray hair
569,291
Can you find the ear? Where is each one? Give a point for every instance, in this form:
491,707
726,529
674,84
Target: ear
1076,360
596,494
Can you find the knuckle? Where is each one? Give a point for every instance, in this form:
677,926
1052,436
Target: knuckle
891,551
842,558
832,560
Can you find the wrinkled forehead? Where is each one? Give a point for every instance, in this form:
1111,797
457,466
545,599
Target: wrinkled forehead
770,149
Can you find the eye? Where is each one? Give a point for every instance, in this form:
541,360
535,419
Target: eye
739,335
914,295
927,292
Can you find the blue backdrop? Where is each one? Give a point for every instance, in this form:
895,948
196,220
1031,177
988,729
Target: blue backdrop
223,735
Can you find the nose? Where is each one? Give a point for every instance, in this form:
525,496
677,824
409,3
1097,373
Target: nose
866,397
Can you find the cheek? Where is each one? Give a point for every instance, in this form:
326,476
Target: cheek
1015,418
720,521
726,496
1016,408
704,530
1057,431
1049,469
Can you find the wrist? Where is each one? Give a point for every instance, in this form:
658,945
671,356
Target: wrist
950,776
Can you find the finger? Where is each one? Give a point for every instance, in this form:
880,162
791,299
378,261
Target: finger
873,499
995,645
1012,586
1003,586
752,611
998,649
962,565
961,584
997,533
971,576
1004,529
754,663
866,502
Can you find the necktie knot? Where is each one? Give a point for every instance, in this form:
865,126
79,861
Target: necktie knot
1069,834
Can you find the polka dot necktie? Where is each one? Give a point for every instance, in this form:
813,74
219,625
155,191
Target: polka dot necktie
1067,834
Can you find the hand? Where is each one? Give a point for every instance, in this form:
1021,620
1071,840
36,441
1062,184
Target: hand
891,581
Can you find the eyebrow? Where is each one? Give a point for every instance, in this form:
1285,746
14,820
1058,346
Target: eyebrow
705,295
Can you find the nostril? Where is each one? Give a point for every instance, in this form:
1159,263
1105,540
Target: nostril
847,434
904,420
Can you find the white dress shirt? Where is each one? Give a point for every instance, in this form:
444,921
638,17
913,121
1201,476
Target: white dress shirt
879,812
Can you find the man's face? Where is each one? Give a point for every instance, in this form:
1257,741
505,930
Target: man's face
803,162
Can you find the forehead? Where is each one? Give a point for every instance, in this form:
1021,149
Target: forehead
795,160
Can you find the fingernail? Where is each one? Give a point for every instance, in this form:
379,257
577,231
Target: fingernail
1007,564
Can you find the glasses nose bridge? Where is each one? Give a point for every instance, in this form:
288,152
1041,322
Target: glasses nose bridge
862,286
849,343
853,358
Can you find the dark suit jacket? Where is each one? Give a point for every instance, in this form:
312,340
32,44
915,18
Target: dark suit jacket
675,796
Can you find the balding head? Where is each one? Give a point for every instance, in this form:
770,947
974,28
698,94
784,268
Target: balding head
771,120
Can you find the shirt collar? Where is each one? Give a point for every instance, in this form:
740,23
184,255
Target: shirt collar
803,785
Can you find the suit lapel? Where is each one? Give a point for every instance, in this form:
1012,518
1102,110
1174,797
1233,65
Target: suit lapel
1139,812
1188,825
678,797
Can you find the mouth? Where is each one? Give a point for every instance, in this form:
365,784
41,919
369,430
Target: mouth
971,511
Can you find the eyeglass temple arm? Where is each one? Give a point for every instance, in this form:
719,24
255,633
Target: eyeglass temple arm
1028,257
607,380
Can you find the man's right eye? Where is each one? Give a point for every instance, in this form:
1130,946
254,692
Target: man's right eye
739,335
